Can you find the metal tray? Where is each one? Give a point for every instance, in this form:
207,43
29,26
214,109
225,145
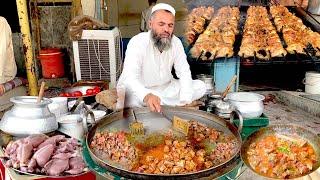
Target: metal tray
5,139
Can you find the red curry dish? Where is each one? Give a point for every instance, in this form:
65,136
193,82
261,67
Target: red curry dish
277,157
167,153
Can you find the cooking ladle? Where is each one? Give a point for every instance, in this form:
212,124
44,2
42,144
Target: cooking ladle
41,92
229,86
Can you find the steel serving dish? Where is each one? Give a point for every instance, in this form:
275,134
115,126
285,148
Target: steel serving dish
155,122
4,141
283,129
48,176
249,104
28,116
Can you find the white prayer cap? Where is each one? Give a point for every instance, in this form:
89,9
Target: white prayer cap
163,6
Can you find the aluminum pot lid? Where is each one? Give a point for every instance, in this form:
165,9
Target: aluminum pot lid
30,100
244,97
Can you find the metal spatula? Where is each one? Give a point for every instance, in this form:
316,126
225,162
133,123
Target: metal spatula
178,124
136,128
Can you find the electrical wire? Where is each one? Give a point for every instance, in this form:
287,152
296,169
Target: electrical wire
97,54
88,45
99,58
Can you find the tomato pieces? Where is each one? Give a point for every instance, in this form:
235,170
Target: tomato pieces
77,93
65,94
93,91
89,92
96,90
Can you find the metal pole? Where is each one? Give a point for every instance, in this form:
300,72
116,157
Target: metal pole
27,46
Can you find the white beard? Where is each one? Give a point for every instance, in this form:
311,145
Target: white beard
161,43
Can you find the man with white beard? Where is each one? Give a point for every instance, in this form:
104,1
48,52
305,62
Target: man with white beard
150,56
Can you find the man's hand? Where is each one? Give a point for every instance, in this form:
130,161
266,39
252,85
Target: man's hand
153,102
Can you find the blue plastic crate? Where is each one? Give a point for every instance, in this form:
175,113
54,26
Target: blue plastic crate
223,70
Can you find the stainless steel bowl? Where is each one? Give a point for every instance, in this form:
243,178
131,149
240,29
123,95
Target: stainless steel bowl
208,80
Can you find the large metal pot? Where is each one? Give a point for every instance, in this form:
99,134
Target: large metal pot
287,130
154,122
249,104
208,81
28,116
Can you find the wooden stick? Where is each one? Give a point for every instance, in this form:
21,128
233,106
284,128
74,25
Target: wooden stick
41,92
229,86
199,56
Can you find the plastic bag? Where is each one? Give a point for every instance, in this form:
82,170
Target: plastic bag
112,98
83,22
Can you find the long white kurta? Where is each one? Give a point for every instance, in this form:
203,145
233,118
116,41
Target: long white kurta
8,67
146,70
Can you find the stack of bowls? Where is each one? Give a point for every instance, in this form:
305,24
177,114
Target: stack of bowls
208,80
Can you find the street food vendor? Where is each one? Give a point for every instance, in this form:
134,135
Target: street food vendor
150,56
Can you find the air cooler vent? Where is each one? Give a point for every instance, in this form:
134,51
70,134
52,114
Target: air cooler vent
97,55
91,52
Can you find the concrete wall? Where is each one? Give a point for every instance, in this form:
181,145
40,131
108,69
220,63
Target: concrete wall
122,13
18,54
53,26
126,15
54,22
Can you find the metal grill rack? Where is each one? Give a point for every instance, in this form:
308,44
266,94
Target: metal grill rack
308,58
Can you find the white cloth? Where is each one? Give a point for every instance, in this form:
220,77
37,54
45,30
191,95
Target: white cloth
146,70
8,67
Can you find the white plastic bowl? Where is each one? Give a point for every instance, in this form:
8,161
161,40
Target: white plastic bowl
249,104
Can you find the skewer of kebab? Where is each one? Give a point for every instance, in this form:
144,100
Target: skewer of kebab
220,34
258,30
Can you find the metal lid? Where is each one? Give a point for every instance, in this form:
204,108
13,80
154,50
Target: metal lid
224,107
30,100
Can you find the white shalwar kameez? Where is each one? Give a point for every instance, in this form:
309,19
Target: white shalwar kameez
8,67
147,70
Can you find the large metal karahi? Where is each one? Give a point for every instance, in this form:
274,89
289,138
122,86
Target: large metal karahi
154,122
283,129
